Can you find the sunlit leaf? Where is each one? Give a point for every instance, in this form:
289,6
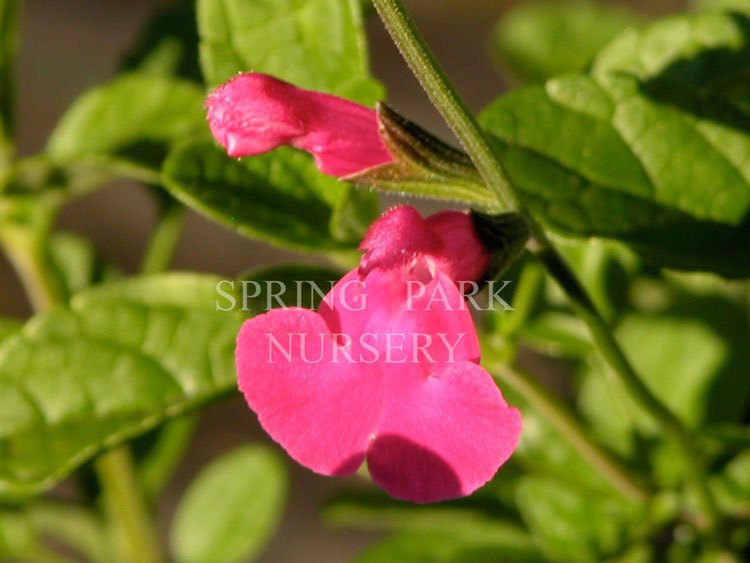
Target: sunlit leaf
249,484
118,361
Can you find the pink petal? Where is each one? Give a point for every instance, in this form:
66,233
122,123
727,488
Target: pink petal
417,309
464,256
254,113
395,238
322,412
442,436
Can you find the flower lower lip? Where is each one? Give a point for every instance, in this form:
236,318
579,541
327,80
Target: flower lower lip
368,348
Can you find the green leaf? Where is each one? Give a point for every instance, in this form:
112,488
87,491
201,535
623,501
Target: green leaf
734,5
704,52
650,149
478,520
133,120
286,286
119,360
250,483
9,327
421,547
316,44
570,526
32,179
724,308
537,40
545,452
73,526
319,45
557,334
17,537
678,359
168,45
277,197
78,262
161,453
732,485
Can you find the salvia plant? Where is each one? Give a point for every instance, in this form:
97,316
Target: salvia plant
555,367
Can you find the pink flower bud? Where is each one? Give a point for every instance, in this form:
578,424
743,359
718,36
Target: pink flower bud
255,113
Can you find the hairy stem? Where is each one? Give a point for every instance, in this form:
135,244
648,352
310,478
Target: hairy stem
423,64
444,97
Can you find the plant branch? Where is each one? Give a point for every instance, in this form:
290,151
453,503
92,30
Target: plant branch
444,97
27,247
423,64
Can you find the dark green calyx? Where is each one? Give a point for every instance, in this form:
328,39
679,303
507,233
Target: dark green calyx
504,236
424,166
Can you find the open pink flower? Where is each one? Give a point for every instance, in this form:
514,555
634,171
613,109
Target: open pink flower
387,370
254,113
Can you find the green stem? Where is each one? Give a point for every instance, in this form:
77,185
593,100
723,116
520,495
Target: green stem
529,287
423,64
27,247
125,500
134,532
621,367
570,428
164,239
170,446
444,97
550,407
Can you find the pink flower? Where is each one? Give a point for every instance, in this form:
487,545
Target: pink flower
255,113
447,238
387,370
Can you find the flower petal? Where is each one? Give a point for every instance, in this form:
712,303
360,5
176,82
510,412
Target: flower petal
442,436
322,409
420,316
396,238
463,255
254,113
